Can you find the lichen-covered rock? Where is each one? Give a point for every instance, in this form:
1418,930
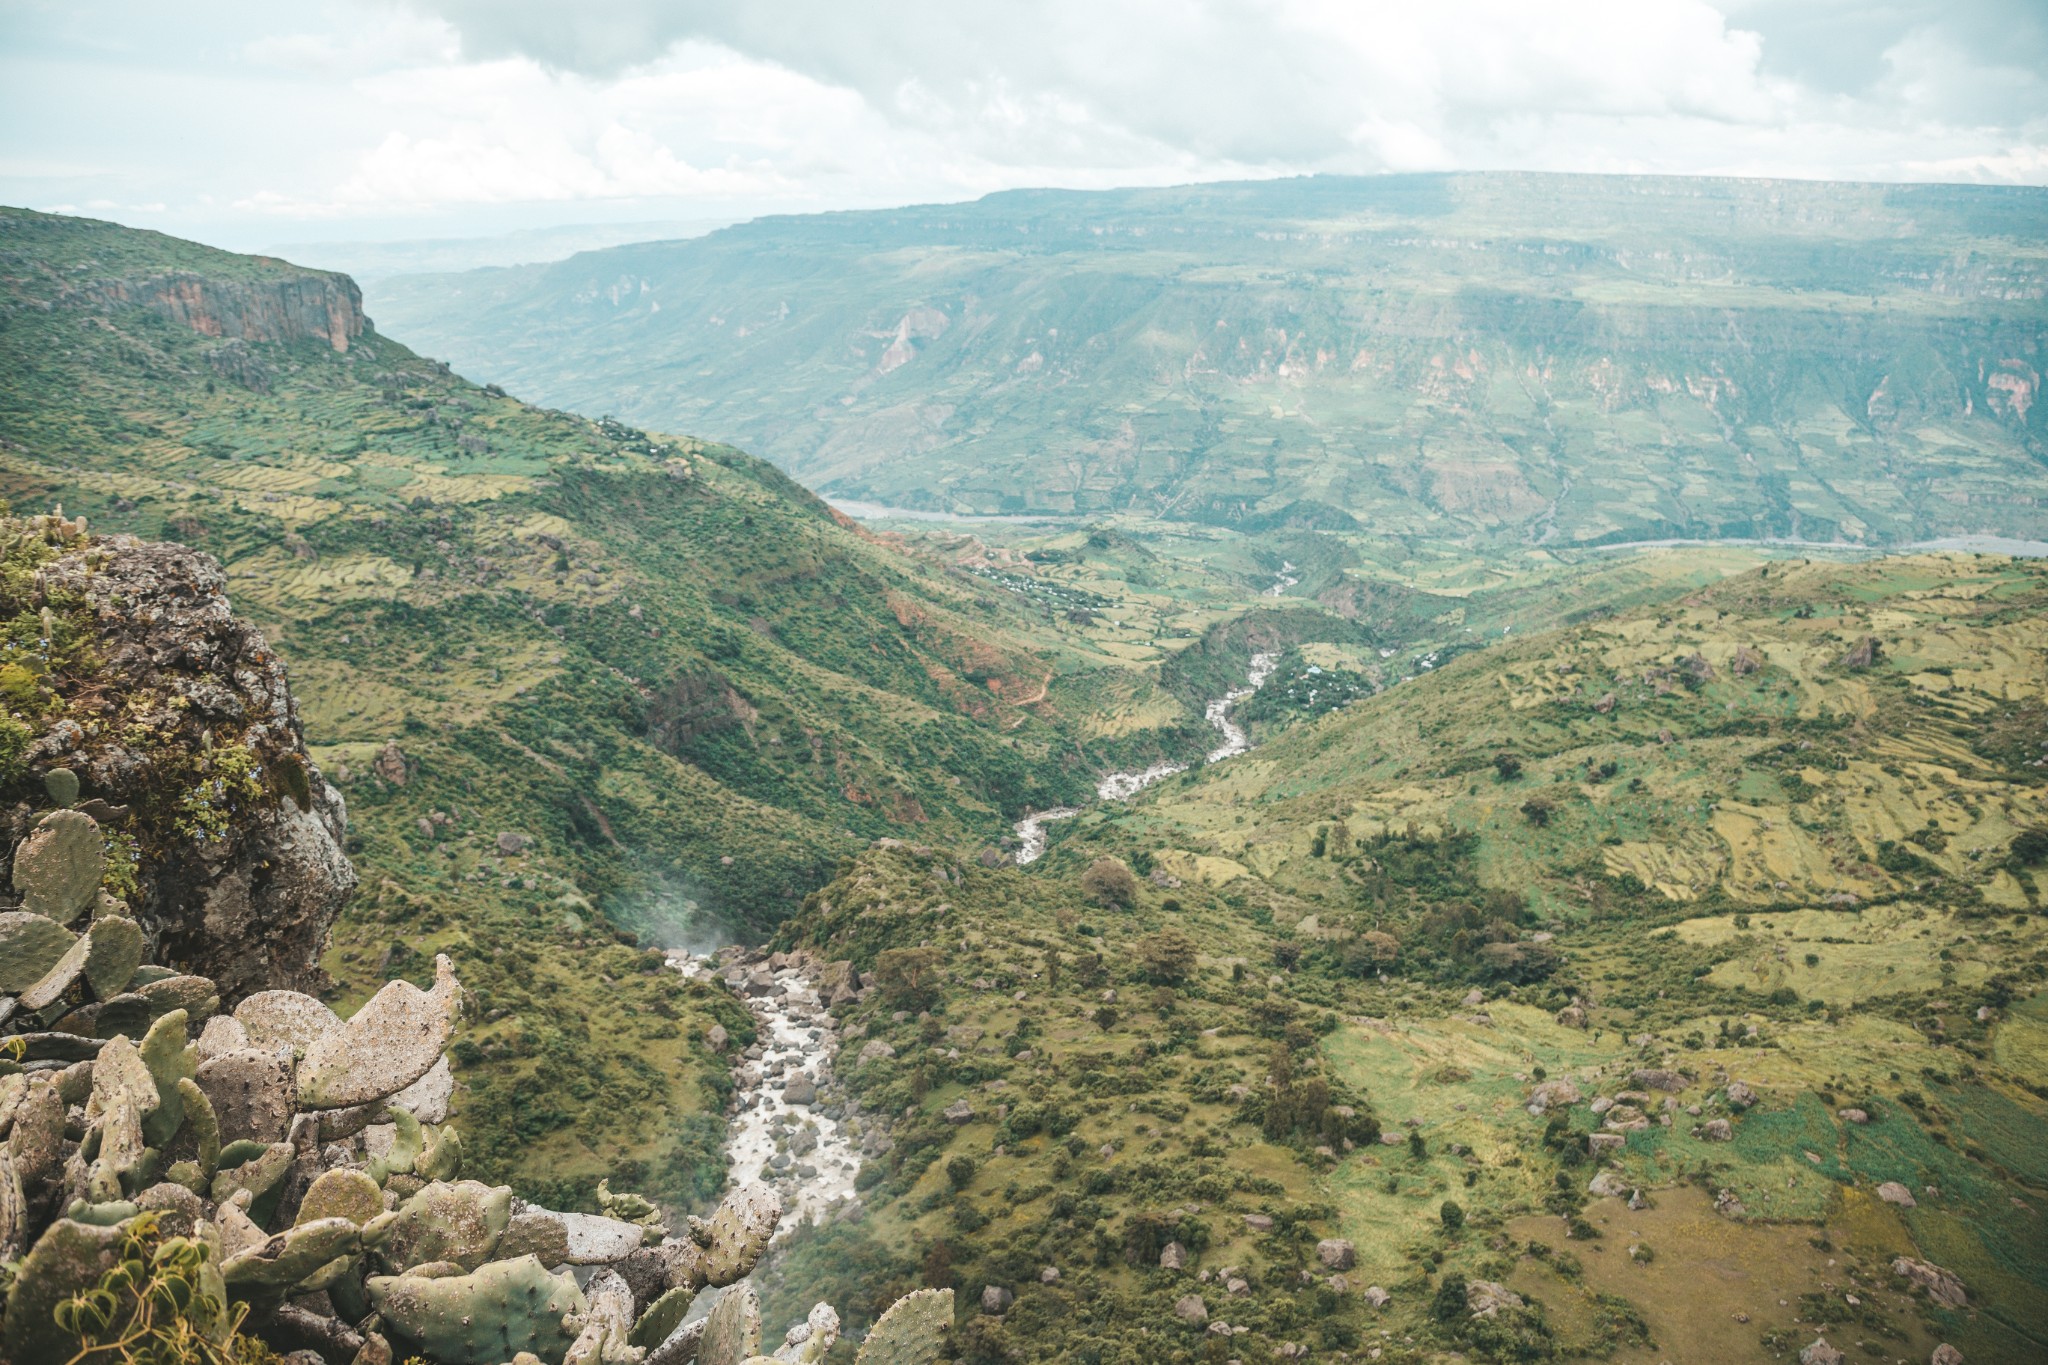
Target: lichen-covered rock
1941,1285
385,1046
250,903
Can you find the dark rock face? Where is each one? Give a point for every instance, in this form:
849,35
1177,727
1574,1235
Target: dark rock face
248,902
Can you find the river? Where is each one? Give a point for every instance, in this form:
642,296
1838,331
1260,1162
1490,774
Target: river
1122,786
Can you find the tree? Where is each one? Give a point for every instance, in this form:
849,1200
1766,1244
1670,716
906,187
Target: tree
1339,841
1417,1148
1108,882
1167,957
1452,1215
908,977
960,1171
1507,766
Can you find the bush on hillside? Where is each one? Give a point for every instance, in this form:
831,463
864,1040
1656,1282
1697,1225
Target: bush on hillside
1108,882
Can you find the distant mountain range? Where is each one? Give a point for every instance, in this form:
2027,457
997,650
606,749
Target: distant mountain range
370,261
1489,360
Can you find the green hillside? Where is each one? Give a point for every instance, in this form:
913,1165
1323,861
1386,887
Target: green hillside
564,672
1480,360
1675,847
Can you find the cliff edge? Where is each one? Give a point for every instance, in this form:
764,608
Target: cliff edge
144,701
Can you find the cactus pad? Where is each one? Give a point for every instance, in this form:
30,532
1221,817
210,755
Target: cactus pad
63,972
30,945
662,1317
912,1332
342,1193
115,953
732,1329
739,1233
289,1257
387,1045
62,786
458,1222
169,1059
58,867
484,1317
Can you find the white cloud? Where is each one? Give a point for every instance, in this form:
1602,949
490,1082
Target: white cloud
477,111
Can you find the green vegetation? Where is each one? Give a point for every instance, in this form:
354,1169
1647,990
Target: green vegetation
1746,849
1489,361
575,681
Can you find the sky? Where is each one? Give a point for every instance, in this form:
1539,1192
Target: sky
249,123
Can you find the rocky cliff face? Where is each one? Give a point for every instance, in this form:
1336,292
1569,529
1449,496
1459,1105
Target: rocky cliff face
310,305
186,744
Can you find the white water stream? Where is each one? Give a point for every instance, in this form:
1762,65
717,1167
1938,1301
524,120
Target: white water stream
806,1148
1031,836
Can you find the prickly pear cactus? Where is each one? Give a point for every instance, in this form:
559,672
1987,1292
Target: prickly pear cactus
737,1235
484,1317
912,1332
385,1046
662,1317
58,867
30,944
732,1330
458,1222
811,1340
115,953
62,786
290,1256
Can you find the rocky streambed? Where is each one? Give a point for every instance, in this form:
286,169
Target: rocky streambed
791,1124
1122,786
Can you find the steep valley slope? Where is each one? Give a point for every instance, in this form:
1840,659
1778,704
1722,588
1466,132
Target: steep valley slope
553,664
1487,361
1634,957
1667,986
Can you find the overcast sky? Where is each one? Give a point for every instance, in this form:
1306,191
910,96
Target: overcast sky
248,122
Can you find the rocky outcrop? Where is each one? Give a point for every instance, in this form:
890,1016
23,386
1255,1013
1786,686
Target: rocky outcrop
299,305
187,746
